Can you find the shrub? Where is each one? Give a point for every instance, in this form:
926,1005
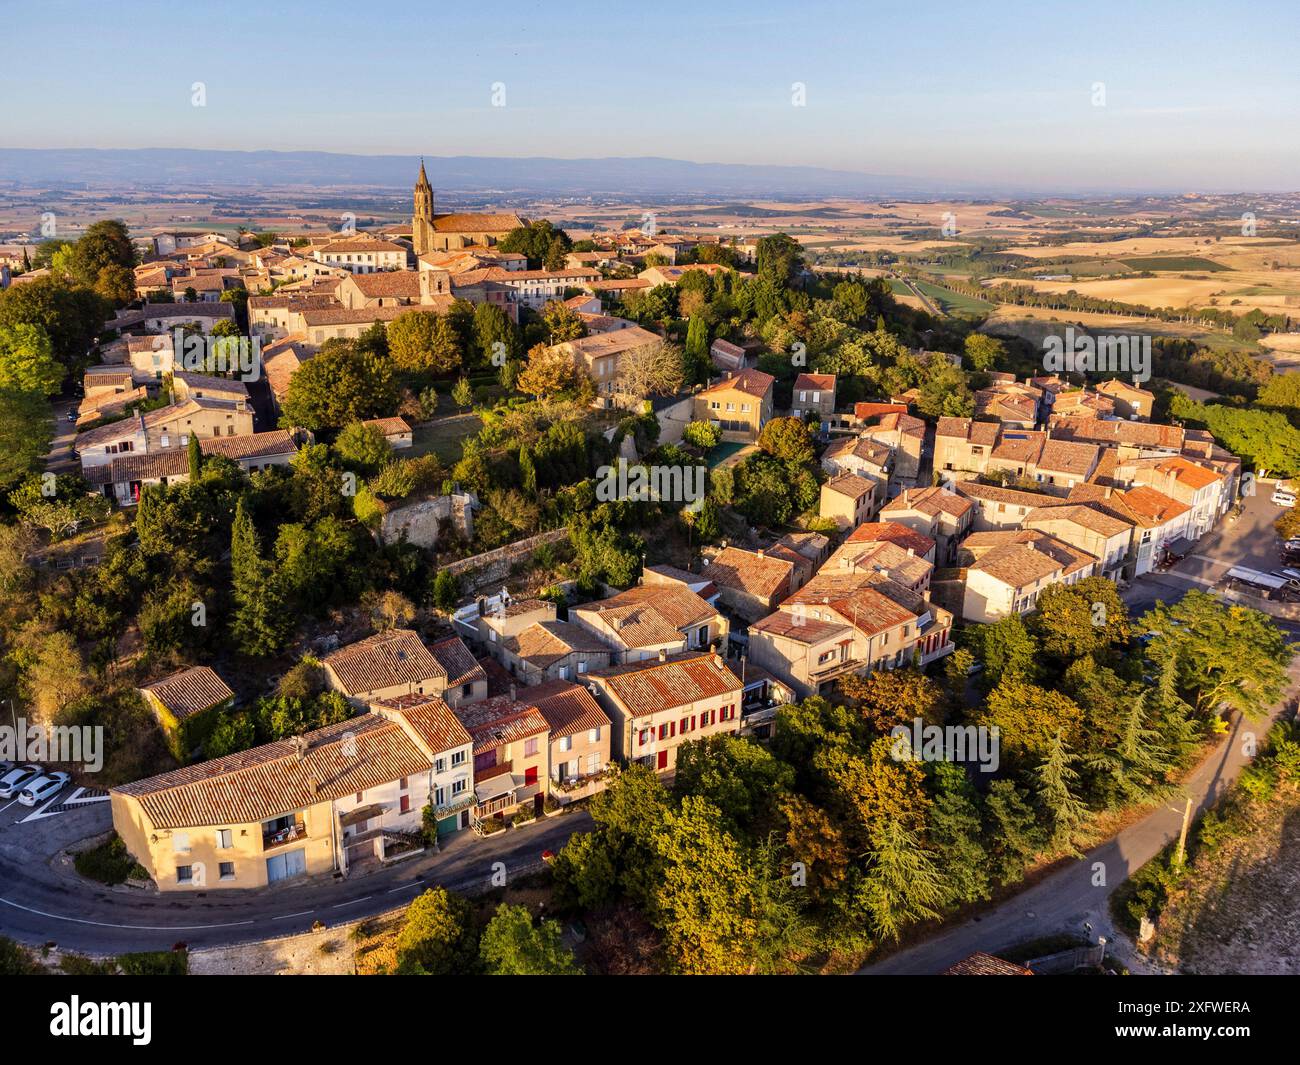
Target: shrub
155,963
109,863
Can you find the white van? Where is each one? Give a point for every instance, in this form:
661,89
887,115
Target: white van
1283,497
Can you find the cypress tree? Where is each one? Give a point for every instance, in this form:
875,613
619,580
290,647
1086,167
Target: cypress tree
259,623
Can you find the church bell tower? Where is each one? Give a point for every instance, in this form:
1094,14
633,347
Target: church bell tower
422,222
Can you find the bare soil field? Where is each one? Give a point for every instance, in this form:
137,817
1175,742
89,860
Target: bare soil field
1241,913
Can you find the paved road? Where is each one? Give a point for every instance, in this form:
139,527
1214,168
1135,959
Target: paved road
1078,894
45,901
60,458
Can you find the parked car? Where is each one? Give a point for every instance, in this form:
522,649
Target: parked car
1284,498
42,788
16,779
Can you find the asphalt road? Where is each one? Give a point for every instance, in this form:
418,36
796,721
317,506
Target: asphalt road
43,900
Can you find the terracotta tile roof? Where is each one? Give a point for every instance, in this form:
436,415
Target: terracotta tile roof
476,223
1189,473
599,345
1063,456
336,315
190,691
983,433
797,626
209,383
279,778
751,382
399,284
251,445
389,426
568,708
811,545
813,382
545,642
865,411
397,656
860,447
650,687
359,244
431,720
499,721
1019,445
1095,520
1119,387
1022,556
899,423
981,964
929,501
882,557
758,575
891,532
651,614
1103,431
995,494
864,598
456,662
850,485
107,434
1150,507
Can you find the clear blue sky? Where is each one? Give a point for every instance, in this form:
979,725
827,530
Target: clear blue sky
1197,95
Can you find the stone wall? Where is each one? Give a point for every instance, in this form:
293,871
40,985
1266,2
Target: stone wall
492,567
422,520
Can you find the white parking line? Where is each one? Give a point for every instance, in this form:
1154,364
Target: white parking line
139,927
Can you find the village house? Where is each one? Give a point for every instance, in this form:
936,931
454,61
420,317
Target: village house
397,662
943,516
650,619
331,800
361,254
580,737
126,475
893,532
659,704
848,500
181,703
740,404
1061,464
397,431
1108,539
814,393
904,435
726,356
600,356
751,584
1161,522
998,508
1203,490
443,738
847,619
862,456
1130,401
511,756
1006,571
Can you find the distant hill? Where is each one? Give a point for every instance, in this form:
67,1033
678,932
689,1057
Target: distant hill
526,176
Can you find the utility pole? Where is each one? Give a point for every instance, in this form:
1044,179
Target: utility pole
1181,852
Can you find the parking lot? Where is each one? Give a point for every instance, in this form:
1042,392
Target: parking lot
1248,541
68,814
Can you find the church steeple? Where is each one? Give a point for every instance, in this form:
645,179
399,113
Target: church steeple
423,195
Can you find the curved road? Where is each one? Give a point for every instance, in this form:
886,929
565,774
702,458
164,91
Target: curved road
42,901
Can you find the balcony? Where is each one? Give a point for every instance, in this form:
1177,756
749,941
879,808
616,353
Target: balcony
834,669
283,835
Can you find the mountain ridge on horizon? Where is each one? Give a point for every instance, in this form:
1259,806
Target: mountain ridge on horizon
516,175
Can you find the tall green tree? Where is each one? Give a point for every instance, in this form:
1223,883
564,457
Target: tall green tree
513,945
260,622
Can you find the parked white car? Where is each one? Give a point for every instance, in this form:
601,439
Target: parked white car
41,789
16,779
1283,497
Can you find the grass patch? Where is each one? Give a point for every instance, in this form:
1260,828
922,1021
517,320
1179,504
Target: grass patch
155,963
443,437
1173,262
109,863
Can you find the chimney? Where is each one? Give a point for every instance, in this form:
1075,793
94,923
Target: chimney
314,785
663,654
